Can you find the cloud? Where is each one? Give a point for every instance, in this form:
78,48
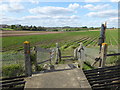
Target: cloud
50,17
42,20
14,7
114,0
113,21
103,14
51,10
34,1
97,7
74,6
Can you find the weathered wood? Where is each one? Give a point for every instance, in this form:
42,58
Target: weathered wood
101,70
34,54
106,74
12,78
15,83
75,54
103,81
28,65
102,78
16,80
103,54
58,54
105,68
80,57
107,85
102,35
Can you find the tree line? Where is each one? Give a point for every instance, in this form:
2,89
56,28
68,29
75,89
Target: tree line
28,28
39,28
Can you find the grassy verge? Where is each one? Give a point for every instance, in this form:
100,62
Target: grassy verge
7,29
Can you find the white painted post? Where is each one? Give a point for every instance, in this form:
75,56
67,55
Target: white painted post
80,50
103,54
75,54
28,65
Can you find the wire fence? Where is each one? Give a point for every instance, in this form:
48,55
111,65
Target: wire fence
13,58
46,56
13,64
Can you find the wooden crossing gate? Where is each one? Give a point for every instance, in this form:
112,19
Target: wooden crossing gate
107,78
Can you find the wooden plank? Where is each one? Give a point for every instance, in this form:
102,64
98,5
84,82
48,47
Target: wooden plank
95,72
107,85
102,73
11,84
107,67
102,69
104,81
13,78
4,82
103,77
117,66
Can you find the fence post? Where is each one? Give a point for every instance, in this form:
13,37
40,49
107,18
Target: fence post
103,54
35,58
75,54
58,54
80,51
28,66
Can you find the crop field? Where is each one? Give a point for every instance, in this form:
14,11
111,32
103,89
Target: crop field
65,39
13,45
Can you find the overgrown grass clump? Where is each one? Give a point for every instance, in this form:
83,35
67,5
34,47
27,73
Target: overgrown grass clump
12,70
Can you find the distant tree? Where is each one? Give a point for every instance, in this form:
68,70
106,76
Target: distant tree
13,27
84,27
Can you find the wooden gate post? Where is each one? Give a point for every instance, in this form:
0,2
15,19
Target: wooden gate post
76,54
35,58
28,65
58,54
103,54
80,58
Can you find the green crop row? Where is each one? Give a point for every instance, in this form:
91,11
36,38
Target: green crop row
67,39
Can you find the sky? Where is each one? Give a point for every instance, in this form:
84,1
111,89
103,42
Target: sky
59,13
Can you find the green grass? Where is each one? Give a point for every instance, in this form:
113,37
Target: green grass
12,70
6,29
46,41
64,39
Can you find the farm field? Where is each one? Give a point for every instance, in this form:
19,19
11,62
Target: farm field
23,33
13,46
65,39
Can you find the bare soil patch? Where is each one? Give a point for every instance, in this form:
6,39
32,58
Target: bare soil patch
24,33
